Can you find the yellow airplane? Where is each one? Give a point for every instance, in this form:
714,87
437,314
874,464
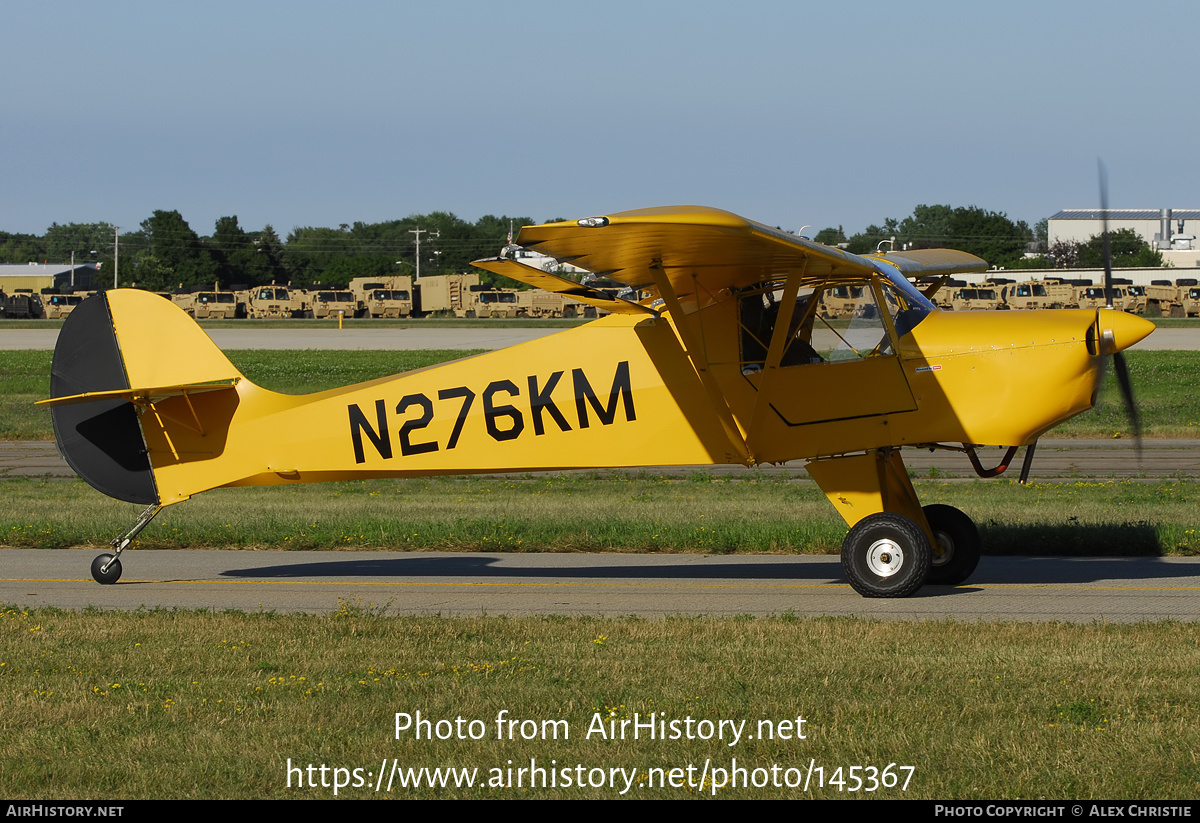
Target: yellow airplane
728,361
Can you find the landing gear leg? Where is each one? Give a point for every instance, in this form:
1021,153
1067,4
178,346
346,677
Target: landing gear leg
889,550
106,568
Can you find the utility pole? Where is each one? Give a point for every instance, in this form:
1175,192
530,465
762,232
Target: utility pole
116,252
417,232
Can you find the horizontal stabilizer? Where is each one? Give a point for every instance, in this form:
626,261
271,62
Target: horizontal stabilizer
560,285
148,395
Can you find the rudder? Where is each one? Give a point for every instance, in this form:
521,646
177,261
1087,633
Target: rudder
122,342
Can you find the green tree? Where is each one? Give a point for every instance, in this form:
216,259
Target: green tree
986,234
831,236
169,238
1127,249
22,248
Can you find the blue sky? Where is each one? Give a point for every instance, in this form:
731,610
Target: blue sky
304,113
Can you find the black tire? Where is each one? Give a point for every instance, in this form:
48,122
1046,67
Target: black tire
957,553
886,555
112,575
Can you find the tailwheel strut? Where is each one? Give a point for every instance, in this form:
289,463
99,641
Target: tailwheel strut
106,568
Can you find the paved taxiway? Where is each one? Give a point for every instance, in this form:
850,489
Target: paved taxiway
1079,590
1054,460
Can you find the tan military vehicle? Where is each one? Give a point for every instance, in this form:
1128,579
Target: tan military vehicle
389,296
1040,294
1163,299
842,302
278,301
970,297
445,294
331,304
1189,298
1097,297
59,305
205,305
538,303
489,301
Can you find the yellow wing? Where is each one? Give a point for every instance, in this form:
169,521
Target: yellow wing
698,250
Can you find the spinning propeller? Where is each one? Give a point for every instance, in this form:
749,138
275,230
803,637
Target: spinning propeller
1118,356
1119,366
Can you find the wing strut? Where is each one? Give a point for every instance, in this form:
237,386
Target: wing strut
695,352
779,341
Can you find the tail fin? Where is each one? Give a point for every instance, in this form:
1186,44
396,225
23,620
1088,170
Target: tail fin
119,350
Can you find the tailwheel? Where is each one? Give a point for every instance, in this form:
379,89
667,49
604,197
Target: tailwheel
106,569
958,546
886,555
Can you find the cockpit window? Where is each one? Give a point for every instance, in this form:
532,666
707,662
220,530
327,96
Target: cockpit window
828,323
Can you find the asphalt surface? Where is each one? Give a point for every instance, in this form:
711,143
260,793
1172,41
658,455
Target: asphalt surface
1053,460
1081,590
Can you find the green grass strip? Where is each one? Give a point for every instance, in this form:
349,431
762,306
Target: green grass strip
634,513
181,705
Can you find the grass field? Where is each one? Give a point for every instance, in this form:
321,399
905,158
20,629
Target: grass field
1163,381
182,705
624,512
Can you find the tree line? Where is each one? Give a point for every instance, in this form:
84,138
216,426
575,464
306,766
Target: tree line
992,236
165,253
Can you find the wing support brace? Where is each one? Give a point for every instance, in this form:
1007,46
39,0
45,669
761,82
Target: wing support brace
695,352
561,285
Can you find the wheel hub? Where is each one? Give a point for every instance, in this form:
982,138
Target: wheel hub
943,550
885,557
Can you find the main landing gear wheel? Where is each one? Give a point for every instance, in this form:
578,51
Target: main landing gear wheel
886,555
957,553
114,569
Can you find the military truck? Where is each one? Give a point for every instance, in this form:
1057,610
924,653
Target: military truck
22,304
211,304
278,301
332,303
1189,297
1163,299
1040,294
445,294
970,297
462,295
1097,297
57,304
389,296
539,303
842,302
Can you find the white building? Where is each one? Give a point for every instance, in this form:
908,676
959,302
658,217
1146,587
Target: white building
1167,230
